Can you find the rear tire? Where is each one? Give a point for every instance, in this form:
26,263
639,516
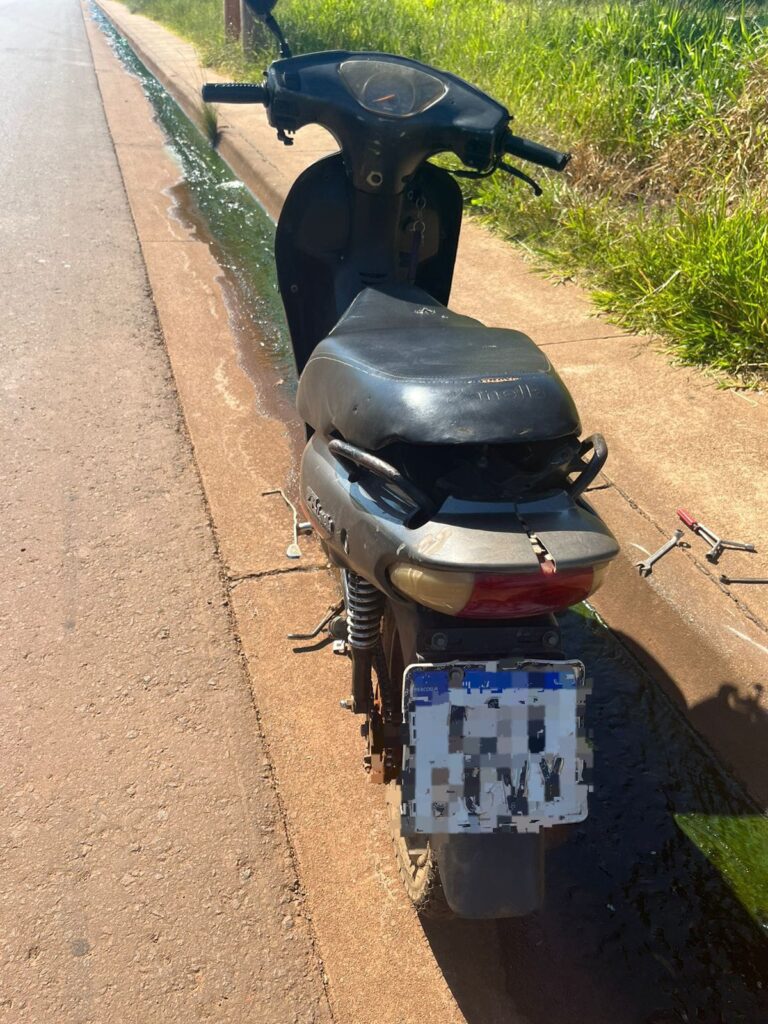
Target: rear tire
486,876
416,865
483,876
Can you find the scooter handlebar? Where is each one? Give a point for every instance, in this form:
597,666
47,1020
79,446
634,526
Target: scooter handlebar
235,92
535,153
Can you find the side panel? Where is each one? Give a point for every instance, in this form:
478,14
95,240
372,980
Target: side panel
332,241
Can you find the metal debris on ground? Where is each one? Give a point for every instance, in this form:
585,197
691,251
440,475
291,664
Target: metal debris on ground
293,550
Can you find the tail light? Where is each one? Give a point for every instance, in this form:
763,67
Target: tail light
485,595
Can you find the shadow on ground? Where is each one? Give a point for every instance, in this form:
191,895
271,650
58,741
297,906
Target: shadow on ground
640,926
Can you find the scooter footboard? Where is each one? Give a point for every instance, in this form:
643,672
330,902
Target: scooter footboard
494,747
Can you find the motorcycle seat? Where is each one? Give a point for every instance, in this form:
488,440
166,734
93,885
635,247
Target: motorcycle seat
401,367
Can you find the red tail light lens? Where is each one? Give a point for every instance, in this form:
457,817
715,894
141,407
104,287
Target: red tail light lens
496,595
506,597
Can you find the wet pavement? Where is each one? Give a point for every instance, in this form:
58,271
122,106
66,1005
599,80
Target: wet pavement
216,205
217,208
657,907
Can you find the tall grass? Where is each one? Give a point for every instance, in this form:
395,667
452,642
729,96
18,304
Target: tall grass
209,124
664,103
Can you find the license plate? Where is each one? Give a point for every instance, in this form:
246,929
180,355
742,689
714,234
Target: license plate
494,747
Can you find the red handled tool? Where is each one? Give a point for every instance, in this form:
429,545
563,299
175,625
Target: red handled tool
718,543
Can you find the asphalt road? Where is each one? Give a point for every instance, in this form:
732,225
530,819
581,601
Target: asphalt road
145,873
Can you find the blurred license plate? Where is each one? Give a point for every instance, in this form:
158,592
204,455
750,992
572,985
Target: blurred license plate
494,747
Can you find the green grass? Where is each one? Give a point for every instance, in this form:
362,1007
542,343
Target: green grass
664,212
209,124
738,848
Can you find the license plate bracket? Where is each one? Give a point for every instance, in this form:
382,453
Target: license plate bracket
494,747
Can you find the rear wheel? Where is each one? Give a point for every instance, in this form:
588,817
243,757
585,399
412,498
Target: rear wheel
416,864
483,876
486,877
415,859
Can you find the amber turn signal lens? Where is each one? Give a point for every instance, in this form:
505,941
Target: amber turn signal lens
443,591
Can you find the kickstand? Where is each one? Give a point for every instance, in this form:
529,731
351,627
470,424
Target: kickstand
332,612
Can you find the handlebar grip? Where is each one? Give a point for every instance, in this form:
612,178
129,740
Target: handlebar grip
535,153
235,92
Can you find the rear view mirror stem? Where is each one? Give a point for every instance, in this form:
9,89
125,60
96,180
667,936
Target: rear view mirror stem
263,10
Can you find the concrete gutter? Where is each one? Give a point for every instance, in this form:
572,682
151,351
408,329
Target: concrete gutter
674,438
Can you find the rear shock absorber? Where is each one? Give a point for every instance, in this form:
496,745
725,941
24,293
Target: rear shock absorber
365,606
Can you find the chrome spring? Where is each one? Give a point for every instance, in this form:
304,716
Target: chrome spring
365,606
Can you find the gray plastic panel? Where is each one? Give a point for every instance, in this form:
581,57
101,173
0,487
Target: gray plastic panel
363,523
570,531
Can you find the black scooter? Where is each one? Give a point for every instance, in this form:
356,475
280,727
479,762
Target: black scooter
443,473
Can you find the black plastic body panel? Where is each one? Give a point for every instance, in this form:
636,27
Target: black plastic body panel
333,241
382,152
444,638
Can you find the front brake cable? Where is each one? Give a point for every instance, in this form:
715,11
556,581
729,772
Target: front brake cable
475,174
517,173
499,165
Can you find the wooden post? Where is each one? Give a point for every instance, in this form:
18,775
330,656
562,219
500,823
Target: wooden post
232,22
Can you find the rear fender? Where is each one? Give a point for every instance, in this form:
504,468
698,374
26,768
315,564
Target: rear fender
491,876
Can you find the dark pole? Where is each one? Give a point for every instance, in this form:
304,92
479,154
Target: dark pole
232,22
248,23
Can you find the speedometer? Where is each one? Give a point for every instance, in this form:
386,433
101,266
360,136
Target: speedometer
395,90
388,93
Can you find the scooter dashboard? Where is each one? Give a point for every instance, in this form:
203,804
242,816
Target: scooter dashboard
387,113
392,90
